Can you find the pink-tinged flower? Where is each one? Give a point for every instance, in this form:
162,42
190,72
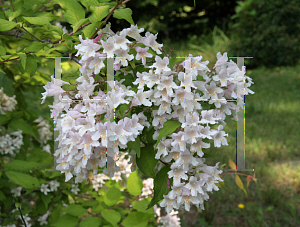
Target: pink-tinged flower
169,203
161,65
53,88
168,183
87,48
142,53
195,186
123,56
178,173
197,147
121,41
149,40
219,137
109,47
187,198
97,63
133,32
221,62
168,83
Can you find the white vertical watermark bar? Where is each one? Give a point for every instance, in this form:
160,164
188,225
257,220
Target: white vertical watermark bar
240,128
57,75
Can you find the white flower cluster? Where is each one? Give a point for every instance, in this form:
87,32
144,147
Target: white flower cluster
169,220
53,187
147,187
6,103
125,169
81,133
11,143
44,130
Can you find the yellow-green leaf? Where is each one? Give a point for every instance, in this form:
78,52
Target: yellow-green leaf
37,20
12,15
99,12
124,14
231,164
240,184
7,25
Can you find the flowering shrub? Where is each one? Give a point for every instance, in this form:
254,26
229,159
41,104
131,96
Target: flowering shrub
84,138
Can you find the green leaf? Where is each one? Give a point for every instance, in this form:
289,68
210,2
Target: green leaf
24,180
20,123
2,196
7,25
124,14
66,221
20,165
73,10
31,65
112,196
111,216
150,133
142,205
60,48
89,30
135,145
134,184
99,12
90,203
136,219
240,184
147,162
35,47
38,155
79,23
23,58
91,222
46,199
75,210
37,20
2,51
12,15
55,214
4,119
169,127
160,186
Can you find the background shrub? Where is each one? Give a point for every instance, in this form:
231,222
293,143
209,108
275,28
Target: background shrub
267,30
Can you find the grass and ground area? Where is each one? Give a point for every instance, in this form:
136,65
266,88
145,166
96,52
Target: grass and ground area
271,148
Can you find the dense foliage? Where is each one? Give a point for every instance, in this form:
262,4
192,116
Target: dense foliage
267,30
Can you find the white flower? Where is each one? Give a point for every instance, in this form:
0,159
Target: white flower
54,185
97,63
219,137
87,48
133,32
109,47
43,219
142,53
149,40
17,191
75,189
45,189
123,56
161,64
169,203
120,41
178,173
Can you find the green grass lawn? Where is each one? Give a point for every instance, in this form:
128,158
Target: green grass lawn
272,149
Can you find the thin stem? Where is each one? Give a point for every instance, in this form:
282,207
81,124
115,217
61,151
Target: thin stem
40,11
108,16
168,164
70,34
13,9
33,35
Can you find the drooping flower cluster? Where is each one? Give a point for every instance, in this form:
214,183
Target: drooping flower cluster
43,130
53,187
11,143
6,103
169,220
84,138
